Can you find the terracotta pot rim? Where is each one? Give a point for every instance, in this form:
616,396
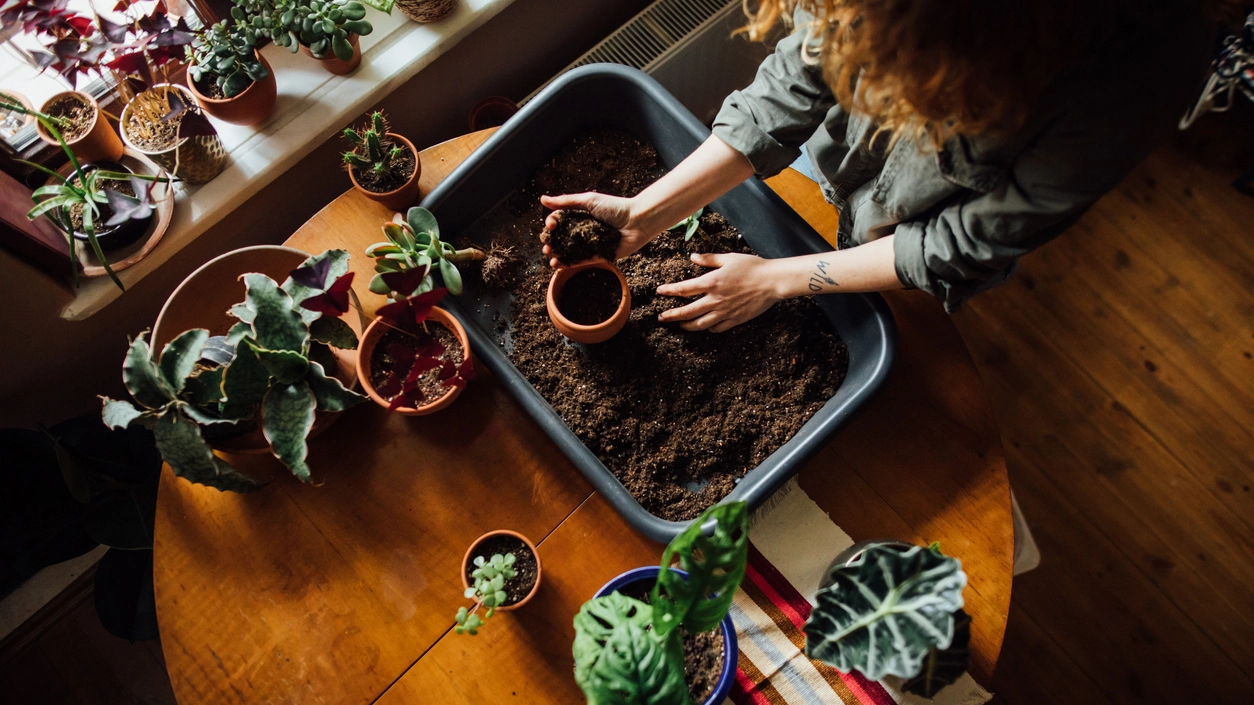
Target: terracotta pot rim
363,366
379,195
122,131
95,106
201,98
566,273
530,546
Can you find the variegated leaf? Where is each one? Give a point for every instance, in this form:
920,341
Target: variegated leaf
142,376
117,414
179,356
331,395
278,324
334,332
287,414
181,445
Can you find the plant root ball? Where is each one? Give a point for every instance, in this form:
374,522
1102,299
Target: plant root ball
500,267
578,237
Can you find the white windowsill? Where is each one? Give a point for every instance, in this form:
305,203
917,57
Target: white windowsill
311,107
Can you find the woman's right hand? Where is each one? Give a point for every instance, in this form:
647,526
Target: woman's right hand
615,211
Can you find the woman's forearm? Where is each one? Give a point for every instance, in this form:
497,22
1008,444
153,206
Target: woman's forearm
869,267
709,172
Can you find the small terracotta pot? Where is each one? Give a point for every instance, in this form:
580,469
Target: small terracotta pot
530,546
252,106
600,332
334,64
99,144
375,332
403,196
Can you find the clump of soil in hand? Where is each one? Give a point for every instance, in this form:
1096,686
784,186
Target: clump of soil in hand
500,268
382,362
578,236
77,113
677,416
384,181
703,651
525,573
590,296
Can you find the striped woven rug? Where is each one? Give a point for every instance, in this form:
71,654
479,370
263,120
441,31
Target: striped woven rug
793,540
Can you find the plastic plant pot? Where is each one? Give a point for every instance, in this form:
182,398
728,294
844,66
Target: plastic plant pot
365,349
597,332
530,546
731,651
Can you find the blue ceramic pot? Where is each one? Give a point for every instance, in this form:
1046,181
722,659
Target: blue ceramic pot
731,652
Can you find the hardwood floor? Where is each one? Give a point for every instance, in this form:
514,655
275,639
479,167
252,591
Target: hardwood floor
1119,360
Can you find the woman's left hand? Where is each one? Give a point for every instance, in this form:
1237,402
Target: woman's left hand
737,289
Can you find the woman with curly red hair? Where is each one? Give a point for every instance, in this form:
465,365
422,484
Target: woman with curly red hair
953,136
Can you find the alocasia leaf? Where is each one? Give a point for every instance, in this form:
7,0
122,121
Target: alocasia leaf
942,667
619,660
143,378
287,414
882,613
334,332
715,565
277,324
181,445
329,393
179,357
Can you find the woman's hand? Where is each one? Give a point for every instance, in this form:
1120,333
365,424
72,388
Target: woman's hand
739,288
614,211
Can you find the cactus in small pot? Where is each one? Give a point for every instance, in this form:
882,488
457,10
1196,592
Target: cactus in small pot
414,243
268,371
372,150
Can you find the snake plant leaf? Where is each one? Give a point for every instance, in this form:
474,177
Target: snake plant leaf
422,220
330,265
182,447
715,565
142,376
944,666
117,414
619,660
334,332
884,611
287,414
286,366
244,382
278,324
329,393
179,356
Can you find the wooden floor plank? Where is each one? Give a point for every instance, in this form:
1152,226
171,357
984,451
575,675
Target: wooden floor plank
141,675
79,665
1033,664
32,679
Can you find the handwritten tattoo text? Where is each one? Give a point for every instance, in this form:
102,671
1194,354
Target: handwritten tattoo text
819,277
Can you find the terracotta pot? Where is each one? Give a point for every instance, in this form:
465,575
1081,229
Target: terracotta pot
530,546
202,301
21,120
195,160
426,11
110,238
99,144
252,106
334,64
403,196
365,349
600,332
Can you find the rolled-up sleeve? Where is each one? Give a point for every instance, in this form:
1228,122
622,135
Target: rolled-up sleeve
770,119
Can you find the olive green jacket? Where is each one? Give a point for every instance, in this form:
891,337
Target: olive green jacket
964,215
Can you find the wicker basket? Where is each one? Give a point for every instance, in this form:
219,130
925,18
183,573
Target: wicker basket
195,160
426,11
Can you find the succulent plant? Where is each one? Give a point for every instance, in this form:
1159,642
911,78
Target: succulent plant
267,370
413,244
887,611
225,54
488,591
321,25
372,150
627,651
690,224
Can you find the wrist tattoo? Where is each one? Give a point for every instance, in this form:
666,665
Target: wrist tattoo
819,277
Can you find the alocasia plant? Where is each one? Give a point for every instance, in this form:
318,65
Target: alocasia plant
274,375
884,612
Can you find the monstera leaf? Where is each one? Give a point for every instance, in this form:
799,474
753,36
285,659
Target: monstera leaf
882,613
715,566
944,666
619,660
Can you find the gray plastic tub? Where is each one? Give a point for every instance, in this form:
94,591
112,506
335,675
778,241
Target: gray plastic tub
621,98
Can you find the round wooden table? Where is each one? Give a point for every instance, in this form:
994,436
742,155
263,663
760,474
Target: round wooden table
346,592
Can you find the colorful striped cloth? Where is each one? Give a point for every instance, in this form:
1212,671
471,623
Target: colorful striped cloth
793,542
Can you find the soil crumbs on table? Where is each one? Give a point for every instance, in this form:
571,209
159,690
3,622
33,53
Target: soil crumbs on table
518,587
590,297
703,651
578,237
76,112
393,178
677,416
382,363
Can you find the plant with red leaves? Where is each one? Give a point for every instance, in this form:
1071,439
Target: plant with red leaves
410,362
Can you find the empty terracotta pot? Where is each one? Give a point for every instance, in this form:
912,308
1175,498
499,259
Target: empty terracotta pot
365,350
402,197
531,546
333,63
597,333
99,144
250,107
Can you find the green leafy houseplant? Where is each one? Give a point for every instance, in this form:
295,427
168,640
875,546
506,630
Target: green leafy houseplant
893,611
85,191
268,372
372,150
488,591
413,244
628,651
225,54
322,25
690,225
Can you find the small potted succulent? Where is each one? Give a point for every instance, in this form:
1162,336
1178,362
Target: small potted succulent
382,165
887,608
632,640
500,572
588,298
231,80
326,30
268,376
104,204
